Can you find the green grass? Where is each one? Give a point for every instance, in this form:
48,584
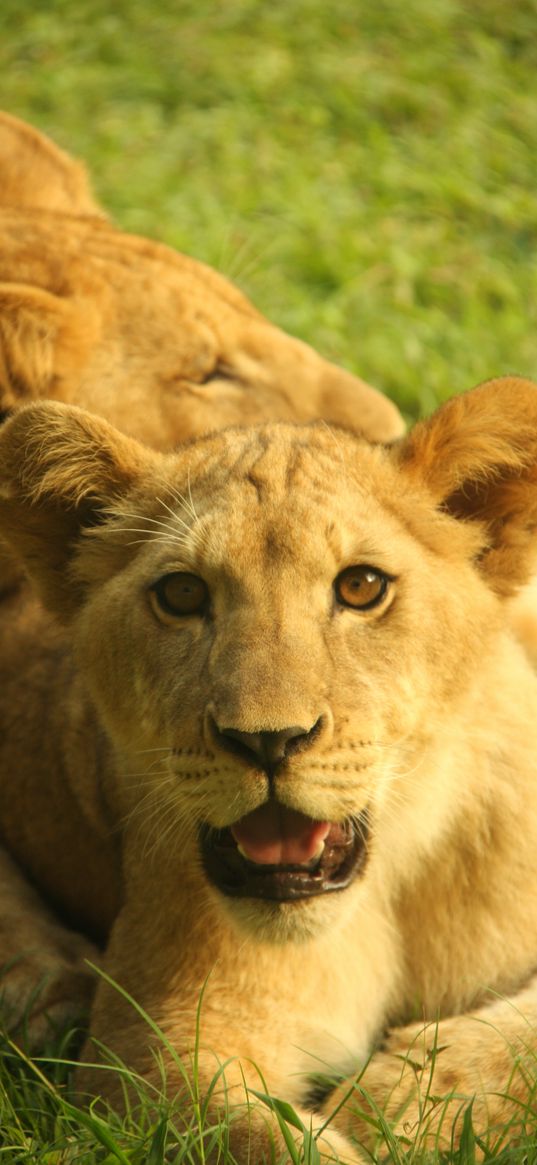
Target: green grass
41,1123
366,170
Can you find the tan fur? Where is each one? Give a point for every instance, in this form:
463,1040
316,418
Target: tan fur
36,173
158,343
427,707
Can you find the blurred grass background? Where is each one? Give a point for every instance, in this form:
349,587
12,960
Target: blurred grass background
366,172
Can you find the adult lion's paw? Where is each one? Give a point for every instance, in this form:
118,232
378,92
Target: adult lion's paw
40,993
45,982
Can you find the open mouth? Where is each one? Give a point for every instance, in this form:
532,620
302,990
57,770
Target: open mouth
281,855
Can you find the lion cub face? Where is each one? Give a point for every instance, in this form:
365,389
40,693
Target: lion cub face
276,626
268,652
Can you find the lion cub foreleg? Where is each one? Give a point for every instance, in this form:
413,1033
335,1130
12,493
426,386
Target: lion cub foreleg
44,980
226,1029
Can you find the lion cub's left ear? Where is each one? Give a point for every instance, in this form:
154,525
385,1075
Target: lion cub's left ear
477,455
61,468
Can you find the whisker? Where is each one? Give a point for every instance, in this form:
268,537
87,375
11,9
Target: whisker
187,503
175,516
161,748
161,540
155,521
190,498
189,534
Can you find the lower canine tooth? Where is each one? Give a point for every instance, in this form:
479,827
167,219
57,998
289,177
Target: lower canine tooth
315,861
242,852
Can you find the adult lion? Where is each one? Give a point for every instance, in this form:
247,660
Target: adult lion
157,343
267,737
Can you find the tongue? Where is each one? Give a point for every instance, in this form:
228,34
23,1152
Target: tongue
276,836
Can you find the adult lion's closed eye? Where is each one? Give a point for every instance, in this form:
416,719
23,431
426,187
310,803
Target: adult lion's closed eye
299,770
158,343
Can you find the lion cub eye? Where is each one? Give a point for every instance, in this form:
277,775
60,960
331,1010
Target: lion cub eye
361,587
179,594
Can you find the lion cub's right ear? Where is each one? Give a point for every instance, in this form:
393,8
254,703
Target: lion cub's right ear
61,469
477,457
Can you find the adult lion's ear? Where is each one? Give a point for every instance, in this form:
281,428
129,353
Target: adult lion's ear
61,469
477,455
45,341
37,173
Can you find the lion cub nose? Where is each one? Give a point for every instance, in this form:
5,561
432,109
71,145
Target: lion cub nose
266,749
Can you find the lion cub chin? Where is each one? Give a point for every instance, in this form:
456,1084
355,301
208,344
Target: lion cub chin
268,738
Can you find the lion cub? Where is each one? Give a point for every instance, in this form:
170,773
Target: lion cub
267,738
